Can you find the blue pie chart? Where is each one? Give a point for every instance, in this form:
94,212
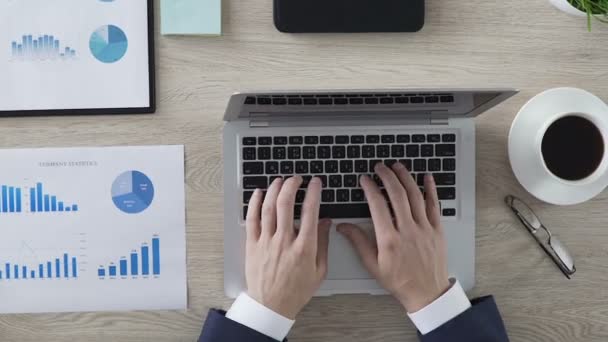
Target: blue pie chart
132,192
108,44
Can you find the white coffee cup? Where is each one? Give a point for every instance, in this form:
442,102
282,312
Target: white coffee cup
538,173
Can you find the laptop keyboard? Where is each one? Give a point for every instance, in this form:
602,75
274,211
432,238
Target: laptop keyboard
340,160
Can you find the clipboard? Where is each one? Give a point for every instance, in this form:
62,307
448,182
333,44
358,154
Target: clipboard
75,58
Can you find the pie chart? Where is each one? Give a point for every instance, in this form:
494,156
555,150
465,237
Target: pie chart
132,192
108,44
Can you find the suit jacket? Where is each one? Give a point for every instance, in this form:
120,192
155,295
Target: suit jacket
480,323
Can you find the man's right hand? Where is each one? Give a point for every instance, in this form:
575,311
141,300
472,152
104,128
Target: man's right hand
409,257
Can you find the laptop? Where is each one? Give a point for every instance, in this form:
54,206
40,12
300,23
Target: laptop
339,135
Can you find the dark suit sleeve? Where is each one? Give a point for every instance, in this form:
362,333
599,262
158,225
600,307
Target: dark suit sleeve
218,328
480,323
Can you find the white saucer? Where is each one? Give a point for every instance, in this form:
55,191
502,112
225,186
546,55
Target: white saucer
525,139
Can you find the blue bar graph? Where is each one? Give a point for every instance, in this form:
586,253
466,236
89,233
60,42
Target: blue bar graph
123,267
15,200
40,48
67,263
136,263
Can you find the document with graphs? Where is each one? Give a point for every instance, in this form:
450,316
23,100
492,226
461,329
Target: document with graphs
92,229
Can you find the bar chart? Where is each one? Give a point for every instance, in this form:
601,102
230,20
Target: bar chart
142,262
13,198
40,48
62,267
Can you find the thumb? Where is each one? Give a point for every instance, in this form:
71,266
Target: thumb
367,250
323,245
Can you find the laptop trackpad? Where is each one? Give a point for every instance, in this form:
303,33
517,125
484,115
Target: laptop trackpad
344,262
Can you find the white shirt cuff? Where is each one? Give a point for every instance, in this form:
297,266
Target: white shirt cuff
442,310
248,312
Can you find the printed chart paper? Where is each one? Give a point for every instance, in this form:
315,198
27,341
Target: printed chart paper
92,229
74,54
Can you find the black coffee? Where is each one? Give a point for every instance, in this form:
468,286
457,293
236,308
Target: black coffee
573,148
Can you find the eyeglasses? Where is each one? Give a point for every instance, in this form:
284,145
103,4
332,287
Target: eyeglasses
555,250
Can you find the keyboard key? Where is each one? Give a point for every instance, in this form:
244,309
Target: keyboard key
346,166
323,179
446,99
372,165
386,100
449,212
357,195
324,152
249,141
434,138
328,196
253,168
311,140
343,195
431,99
407,163
418,138
420,180
361,166
445,178
390,162
419,165
342,139
316,167
310,101
264,101
357,139
272,168
434,164
309,152
403,138
335,181
402,100
305,180
340,101
296,140
371,101
448,138
412,151
355,100
286,167
327,139
247,196
325,101
345,211
331,166
301,167
372,139
265,140
427,150
417,99
272,178
264,153
294,152
350,181
300,195
388,139
383,151
294,101
279,153
338,152
279,101
353,152
249,153
397,151
250,100
369,151
446,193
449,164
280,140
445,150
255,182
378,181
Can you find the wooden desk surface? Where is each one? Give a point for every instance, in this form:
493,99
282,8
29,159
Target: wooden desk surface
523,44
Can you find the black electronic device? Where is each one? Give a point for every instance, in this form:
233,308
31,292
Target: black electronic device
317,16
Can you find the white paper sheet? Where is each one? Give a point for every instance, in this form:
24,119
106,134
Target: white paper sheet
125,203
110,74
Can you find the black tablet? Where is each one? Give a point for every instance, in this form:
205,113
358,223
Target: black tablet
300,16
76,57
